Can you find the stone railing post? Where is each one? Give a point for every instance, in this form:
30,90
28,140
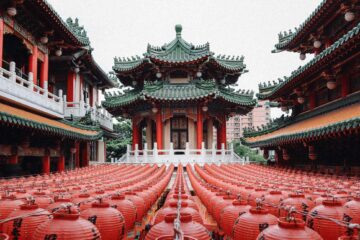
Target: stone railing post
222,151
45,88
136,152
171,150
31,80
65,103
203,150
213,152
155,151
12,69
145,153
187,149
128,149
231,152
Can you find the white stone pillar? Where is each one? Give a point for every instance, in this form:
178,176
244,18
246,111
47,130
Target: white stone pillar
145,149
128,149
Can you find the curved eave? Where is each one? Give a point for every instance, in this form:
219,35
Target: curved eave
310,24
351,37
341,128
74,131
177,61
54,19
242,100
129,66
120,101
229,66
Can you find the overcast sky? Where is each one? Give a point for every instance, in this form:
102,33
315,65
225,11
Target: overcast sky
235,27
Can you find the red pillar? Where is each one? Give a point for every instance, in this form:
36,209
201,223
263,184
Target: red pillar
33,63
223,130
135,134
44,71
70,86
46,164
61,164
344,85
1,40
218,137
312,101
159,128
77,154
199,128
85,155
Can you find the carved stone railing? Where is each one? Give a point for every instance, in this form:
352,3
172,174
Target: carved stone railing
22,91
102,116
183,156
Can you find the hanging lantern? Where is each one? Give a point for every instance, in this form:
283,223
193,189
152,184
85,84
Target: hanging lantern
331,84
222,81
58,52
312,153
44,39
73,150
158,75
317,44
125,115
199,74
11,11
154,109
302,56
134,83
349,16
301,100
76,69
205,108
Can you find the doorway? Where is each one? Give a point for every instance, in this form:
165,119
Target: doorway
179,132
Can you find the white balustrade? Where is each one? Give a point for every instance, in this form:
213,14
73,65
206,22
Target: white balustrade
180,156
19,90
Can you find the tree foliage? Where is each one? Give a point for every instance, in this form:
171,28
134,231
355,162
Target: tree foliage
245,151
115,148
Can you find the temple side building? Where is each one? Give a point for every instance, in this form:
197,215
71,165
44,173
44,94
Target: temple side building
178,93
50,113
323,96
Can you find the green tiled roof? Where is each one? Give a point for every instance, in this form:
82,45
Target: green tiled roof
185,92
179,51
27,123
69,27
342,127
286,38
324,54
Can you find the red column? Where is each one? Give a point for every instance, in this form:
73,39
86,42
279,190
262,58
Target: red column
85,155
77,154
33,60
344,85
218,137
312,101
61,164
135,134
44,70
223,130
159,128
1,40
199,128
46,164
70,86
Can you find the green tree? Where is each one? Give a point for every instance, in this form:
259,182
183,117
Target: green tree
115,148
245,151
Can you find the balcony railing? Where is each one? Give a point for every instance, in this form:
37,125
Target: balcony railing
23,91
80,109
180,156
15,88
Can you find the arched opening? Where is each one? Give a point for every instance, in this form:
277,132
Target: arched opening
15,51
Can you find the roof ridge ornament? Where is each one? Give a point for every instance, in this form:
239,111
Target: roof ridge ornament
178,29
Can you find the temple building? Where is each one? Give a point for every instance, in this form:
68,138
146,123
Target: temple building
50,113
323,96
178,93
